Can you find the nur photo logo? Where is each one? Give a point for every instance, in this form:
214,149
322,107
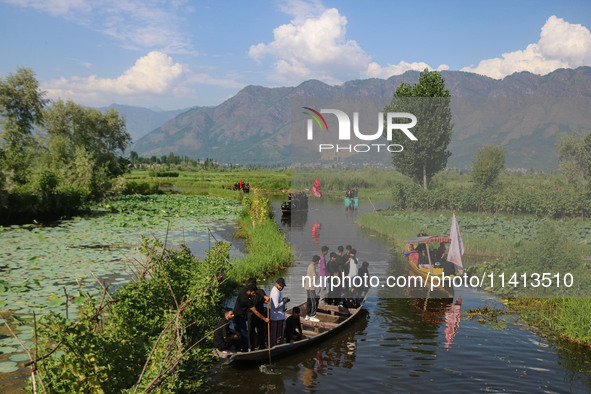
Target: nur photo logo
345,131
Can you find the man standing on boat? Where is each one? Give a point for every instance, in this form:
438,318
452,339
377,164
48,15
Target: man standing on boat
245,303
322,272
277,313
311,298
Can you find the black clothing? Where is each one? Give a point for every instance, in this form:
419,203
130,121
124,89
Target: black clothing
332,267
220,337
293,329
243,303
346,267
257,328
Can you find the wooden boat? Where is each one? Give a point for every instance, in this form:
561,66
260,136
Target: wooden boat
299,203
428,270
332,319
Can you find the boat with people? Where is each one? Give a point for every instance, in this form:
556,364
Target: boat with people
297,202
428,263
352,199
436,268
332,319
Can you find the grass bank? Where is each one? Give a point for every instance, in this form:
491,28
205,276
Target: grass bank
218,182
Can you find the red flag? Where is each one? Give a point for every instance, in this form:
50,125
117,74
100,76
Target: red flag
315,189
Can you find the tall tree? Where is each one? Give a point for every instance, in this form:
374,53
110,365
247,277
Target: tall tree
21,105
489,162
574,157
70,126
429,102
84,144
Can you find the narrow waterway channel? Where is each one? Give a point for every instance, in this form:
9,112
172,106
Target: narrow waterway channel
403,344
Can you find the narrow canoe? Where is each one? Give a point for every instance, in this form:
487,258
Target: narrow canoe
332,320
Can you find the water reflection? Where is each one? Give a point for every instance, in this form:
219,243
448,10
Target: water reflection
295,220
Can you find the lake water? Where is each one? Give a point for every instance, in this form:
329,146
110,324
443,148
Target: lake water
402,344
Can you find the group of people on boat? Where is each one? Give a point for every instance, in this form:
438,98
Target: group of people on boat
351,193
298,201
436,258
259,320
243,186
253,314
343,263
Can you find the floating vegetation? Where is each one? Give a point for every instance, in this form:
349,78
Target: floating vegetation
494,317
40,265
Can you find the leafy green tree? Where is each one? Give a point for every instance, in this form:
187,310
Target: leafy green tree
429,102
489,162
21,105
574,157
85,144
587,158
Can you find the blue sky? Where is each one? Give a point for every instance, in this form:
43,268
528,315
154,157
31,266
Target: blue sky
176,54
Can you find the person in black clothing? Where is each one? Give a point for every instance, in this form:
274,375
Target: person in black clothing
257,327
245,303
332,269
293,326
224,338
421,233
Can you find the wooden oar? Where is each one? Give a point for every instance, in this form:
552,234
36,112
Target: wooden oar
269,331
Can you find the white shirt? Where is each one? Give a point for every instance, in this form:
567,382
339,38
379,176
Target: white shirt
353,267
276,304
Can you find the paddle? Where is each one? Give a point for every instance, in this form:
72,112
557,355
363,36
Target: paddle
269,331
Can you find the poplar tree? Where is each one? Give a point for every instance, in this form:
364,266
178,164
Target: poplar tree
429,101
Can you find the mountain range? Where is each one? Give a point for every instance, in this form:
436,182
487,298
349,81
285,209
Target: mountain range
140,121
523,112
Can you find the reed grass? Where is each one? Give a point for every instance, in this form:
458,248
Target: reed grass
565,318
267,251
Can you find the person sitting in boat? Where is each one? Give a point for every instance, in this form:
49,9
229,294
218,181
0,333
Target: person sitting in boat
449,268
441,250
224,338
423,259
293,326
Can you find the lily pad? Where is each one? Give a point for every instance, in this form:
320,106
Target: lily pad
8,366
19,357
8,350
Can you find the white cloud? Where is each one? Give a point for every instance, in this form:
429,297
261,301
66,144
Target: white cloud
374,70
313,47
152,24
55,7
155,75
561,45
302,9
